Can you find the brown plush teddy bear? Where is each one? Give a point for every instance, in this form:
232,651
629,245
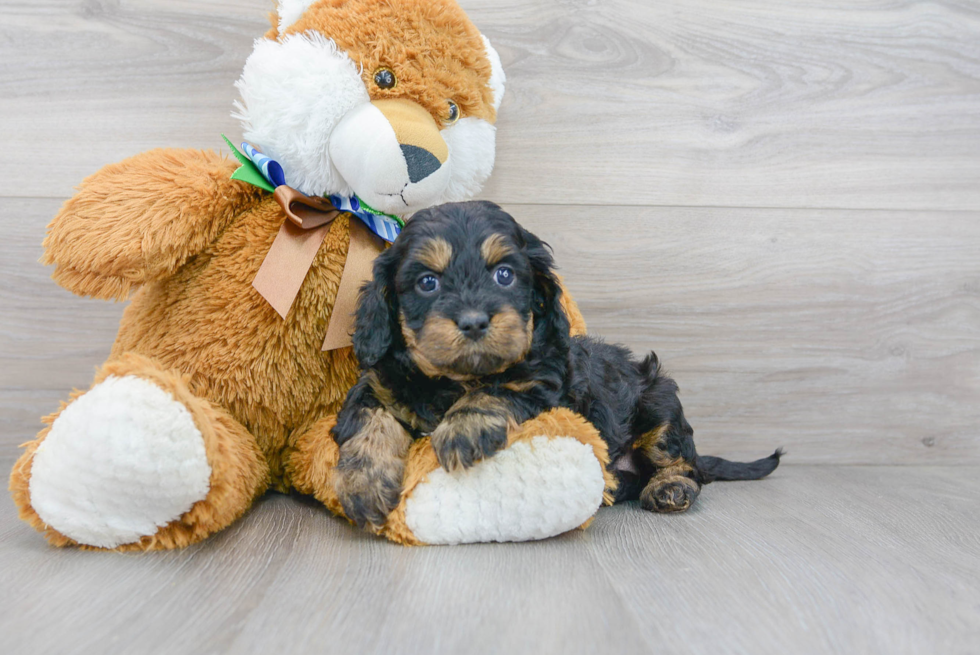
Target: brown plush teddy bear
219,385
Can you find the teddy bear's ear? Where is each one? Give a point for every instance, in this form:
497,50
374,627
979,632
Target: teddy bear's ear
497,77
290,10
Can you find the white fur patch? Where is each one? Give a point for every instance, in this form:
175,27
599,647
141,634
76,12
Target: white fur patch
472,149
497,78
294,92
290,11
528,491
122,461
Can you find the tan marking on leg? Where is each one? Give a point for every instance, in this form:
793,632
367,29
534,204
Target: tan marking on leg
651,444
671,489
436,253
474,428
385,396
494,248
520,387
369,473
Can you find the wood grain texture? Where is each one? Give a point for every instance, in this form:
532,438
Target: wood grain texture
865,104
812,560
849,336
844,336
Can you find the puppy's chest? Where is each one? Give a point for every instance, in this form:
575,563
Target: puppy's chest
421,410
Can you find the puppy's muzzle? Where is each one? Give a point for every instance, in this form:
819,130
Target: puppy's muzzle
473,324
473,345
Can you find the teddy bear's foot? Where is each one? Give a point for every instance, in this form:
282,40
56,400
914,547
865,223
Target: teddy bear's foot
551,478
137,462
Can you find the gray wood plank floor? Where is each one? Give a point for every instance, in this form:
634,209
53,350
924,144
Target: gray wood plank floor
812,560
781,198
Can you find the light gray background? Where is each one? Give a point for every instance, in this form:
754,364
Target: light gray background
780,197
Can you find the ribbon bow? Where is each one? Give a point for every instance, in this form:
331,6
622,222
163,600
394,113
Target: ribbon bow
307,222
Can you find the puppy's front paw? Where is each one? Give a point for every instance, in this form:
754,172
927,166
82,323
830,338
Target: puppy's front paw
467,436
368,477
368,490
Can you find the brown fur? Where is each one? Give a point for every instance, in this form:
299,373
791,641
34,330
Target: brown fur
238,471
194,239
475,427
494,248
672,488
435,254
439,346
373,462
172,227
422,461
395,408
576,322
141,219
434,50
311,460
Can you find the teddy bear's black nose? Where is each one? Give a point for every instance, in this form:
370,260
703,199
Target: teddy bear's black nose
421,162
473,324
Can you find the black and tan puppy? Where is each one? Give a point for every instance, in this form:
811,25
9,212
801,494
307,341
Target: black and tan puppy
461,335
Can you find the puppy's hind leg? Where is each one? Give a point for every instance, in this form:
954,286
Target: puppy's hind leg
666,443
674,485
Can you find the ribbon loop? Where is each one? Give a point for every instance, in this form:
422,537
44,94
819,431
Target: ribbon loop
305,211
292,253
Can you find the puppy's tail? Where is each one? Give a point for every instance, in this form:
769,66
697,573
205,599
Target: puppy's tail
717,469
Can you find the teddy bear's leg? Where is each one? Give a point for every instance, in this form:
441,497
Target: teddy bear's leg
137,462
550,479
310,462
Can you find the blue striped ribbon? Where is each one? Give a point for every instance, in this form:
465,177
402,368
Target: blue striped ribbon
384,225
269,167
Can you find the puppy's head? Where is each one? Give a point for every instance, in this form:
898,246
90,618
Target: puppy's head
464,292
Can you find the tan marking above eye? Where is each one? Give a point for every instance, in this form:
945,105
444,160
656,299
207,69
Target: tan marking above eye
494,248
435,254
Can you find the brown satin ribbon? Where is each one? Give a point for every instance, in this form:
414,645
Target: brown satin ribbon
292,253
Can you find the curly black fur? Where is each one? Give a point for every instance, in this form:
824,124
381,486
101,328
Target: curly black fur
632,403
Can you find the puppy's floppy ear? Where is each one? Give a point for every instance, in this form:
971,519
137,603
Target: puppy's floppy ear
549,316
377,309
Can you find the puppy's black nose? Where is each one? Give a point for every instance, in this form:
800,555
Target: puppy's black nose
473,324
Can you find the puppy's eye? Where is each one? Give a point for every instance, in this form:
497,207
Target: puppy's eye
453,114
428,283
504,276
384,78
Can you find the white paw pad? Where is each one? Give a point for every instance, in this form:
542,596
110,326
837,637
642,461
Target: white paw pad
531,490
122,461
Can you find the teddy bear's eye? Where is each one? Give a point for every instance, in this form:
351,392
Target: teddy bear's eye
384,78
453,113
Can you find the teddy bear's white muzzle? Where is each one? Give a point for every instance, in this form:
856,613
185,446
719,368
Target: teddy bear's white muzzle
392,155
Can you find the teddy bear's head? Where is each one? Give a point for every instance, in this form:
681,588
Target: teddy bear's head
393,101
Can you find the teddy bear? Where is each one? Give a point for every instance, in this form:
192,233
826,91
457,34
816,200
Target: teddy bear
231,359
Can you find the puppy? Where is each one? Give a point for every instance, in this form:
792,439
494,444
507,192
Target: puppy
461,336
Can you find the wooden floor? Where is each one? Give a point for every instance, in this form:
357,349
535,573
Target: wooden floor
782,198
816,559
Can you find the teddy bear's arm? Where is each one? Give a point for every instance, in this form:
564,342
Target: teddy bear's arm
141,219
